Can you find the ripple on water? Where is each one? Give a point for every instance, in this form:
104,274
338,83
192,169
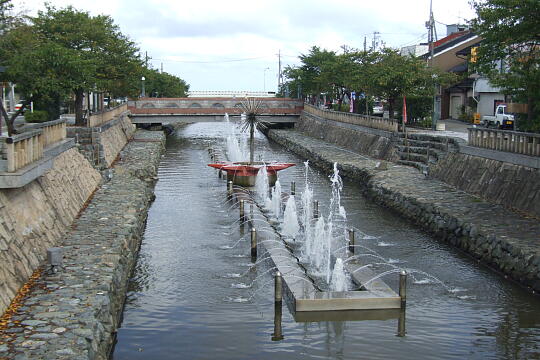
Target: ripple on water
240,286
231,276
236,299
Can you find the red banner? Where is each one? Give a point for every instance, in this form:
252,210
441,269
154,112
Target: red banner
404,110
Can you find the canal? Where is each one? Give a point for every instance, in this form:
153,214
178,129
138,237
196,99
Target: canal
193,294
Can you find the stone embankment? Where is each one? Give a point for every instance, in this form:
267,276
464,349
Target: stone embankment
36,216
499,177
491,233
74,313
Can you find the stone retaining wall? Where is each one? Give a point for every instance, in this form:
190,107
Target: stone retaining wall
498,237
74,314
499,182
101,145
372,142
36,216
512,185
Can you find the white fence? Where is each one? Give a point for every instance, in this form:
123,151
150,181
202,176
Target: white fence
510,141
356,119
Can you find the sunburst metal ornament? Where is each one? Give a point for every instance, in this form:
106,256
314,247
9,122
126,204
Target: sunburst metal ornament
252,107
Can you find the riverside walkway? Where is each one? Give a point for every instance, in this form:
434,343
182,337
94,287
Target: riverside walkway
73,314
499,237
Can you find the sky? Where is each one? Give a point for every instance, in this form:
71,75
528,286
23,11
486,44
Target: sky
234,45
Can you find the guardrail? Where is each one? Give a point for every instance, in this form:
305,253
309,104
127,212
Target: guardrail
53,131
23,149
356,119
102,117
509,141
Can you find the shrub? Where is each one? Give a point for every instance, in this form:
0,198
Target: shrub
38,116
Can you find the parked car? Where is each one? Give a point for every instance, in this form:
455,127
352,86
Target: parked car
501,119
378,108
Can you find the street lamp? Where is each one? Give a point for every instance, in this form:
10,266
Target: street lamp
264,79
142,87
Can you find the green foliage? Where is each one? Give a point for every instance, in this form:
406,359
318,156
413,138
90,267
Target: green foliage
38,116
386,75
66,51
418,109
164,85
509,29
360,106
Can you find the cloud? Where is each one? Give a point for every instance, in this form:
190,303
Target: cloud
210,33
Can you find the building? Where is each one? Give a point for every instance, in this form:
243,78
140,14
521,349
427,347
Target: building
472,94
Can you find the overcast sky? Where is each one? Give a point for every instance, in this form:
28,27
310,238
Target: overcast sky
233,45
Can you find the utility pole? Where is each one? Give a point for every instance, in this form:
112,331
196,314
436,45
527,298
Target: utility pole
146,59
162,67
365,43
279,82
430,25
374,43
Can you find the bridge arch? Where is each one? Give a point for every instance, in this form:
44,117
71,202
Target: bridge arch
171,105
195,105
218,106
148,105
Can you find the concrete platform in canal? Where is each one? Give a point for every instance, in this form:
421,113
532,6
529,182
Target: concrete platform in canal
303,296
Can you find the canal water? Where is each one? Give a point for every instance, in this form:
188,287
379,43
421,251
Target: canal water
194,296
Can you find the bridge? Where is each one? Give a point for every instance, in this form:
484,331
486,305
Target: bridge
209,109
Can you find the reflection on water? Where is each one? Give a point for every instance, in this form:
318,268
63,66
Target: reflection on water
184,298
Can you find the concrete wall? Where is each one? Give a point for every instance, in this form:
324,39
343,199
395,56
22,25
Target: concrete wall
486,103
372,142
511,185
36,216
101,145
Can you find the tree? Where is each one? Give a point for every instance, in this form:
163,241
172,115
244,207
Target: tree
509,54
36,69
394,76
107,58
67,51
5,7
164,85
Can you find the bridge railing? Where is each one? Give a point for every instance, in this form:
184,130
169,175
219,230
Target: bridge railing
23,149
509,141
53,131
356,119
102,117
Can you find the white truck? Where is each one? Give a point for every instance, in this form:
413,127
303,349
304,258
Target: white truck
501,119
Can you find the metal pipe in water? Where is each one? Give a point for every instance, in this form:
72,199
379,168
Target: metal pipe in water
403,288
401,323
277,335
316,209
253,243
219,173
229,187
242,214
293,188
278,287
351,240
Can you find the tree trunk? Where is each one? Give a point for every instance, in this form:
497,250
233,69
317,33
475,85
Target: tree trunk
79,96
530,113
11,120
391,108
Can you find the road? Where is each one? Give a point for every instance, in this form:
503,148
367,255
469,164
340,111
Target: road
453,128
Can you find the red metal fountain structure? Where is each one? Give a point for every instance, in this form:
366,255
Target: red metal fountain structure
244,173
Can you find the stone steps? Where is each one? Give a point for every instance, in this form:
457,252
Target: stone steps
423,168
